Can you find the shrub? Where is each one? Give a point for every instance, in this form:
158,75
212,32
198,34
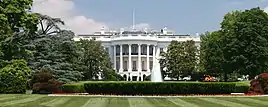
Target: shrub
73,88
136,88
259,85
44,83
14,77
241,89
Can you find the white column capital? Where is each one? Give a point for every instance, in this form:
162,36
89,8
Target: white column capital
129,44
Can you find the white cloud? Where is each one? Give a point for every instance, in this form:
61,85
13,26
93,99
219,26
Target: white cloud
65,9
266,9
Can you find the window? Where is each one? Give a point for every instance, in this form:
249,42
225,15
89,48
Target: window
125,49
125,65
134,66
151,65
117,65
143,65
143,50
134,50
151,50
161,50
117,50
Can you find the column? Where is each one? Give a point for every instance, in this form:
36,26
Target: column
115,57
139,57
129,58
153,54
148,60
130,77
127,77
121,58
138,77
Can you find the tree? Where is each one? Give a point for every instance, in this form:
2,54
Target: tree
211,57
16,23
180,59
17,46
56,53
15,16
244,42
94,61
49,25
190,57
14,76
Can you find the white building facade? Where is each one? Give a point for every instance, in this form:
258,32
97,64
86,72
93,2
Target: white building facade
133,53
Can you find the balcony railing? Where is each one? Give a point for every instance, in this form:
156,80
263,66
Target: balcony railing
137,36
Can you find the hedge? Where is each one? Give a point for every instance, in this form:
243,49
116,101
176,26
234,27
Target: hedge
241,88
73,88
144,88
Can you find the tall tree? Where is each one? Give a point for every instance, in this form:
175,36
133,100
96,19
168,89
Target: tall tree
245,45
58,54
211,57
15,16
180,59
95,62
49,25
17,23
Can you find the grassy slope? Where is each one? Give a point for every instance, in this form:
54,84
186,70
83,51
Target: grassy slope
45,101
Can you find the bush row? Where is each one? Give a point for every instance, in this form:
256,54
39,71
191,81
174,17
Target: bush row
132,88
143,88
73,88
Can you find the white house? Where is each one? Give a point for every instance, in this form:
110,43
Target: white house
133,52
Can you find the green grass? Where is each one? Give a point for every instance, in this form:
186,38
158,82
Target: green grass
16,100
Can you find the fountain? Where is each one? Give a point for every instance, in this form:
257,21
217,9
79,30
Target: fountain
156,75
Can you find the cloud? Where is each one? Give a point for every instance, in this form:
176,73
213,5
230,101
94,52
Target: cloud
266,9
65,9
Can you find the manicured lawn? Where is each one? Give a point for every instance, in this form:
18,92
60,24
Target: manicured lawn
15,100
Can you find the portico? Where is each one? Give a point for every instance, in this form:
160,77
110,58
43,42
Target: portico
134,60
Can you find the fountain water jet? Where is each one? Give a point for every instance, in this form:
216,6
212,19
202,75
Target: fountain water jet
156,75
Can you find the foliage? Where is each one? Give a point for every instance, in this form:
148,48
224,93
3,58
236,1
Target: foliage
58,54
16,23
244,44
163,88
94,61
73,88
181,58
43,82
17,46
211,58
259,85
49,25
241,89
239,47
14,76
15,17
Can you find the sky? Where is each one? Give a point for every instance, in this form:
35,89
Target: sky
180,16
